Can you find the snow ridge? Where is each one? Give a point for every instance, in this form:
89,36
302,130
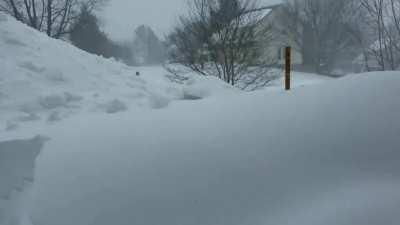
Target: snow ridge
17,164
44,79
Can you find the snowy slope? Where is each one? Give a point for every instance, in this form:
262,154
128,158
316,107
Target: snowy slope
298,79
45,79
326,154
42,79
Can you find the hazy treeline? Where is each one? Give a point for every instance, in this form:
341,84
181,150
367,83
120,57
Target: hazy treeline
229,39
147,47
76,21
143,48
87,35
352,35
54,17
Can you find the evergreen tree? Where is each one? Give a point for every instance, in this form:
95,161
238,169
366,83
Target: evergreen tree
147,47
86,35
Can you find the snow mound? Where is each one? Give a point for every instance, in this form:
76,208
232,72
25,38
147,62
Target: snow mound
47,80
114,106
17,163
202,87
298,79
326,154
42,77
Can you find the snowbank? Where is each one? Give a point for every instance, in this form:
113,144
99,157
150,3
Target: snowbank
299,79
47,80
326,154
17,163
41,77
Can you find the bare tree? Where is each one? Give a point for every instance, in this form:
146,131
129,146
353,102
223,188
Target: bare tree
395,11
148,48
54,17
384,22
222,38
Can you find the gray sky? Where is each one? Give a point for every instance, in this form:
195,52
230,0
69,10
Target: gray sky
121,17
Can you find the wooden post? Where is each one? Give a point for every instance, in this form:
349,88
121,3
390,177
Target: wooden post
288,63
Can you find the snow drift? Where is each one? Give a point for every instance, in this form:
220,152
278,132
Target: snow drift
17,163
326,154
49,80
43,79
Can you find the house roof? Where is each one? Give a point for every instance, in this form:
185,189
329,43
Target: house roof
268,12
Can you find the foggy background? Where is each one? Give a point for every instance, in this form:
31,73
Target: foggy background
121,17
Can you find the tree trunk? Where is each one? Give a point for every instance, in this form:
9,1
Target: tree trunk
49,17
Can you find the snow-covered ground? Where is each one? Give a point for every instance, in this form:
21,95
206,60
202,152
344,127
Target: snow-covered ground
122,149
17,165
325,154
49,80
45,80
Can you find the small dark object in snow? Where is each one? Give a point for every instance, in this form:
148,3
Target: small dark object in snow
190,97
137,73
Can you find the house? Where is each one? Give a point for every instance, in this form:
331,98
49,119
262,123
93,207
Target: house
365,62
274,50
378,57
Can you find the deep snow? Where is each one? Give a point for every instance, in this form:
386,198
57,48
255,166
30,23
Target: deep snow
319,155
17,160
46,80
126,150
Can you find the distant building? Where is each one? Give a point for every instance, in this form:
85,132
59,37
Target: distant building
274,49
371,60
